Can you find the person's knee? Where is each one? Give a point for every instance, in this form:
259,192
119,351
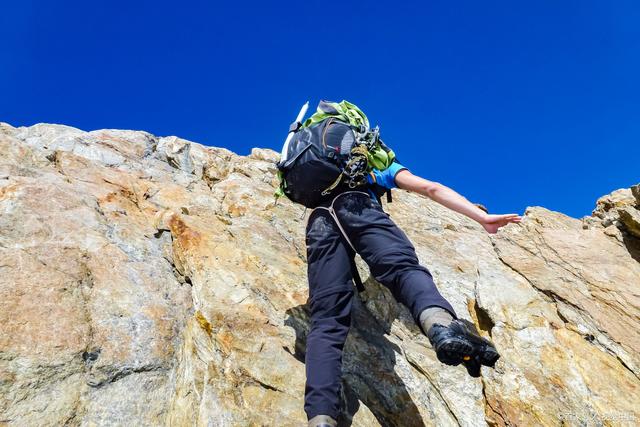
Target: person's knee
333,304
392,271
330,324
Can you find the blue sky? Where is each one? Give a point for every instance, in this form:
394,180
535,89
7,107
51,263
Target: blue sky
512,104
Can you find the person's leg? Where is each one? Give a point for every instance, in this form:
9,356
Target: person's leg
393,262
330,297
389,253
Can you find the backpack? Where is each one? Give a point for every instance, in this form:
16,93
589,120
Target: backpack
332,151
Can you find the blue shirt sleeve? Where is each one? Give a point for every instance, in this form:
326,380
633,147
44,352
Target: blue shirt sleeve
386,178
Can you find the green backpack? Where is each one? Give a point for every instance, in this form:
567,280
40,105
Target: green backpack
333,149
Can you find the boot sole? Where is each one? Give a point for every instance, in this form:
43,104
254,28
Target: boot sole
455,351
452,351
489,356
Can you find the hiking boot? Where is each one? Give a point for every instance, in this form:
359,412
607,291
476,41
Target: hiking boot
322,421
460,342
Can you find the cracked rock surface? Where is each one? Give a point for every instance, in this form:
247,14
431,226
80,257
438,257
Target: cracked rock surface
154,281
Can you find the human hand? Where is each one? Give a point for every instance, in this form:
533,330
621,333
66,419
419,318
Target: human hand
492,223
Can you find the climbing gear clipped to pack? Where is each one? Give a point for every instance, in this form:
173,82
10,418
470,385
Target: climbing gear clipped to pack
355,171
332,151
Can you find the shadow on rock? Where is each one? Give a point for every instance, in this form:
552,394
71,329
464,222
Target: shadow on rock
369,359
633,246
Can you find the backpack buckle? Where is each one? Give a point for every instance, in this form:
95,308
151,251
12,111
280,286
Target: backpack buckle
293,127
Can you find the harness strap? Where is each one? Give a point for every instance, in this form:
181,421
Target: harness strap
333,186
332,212
356,276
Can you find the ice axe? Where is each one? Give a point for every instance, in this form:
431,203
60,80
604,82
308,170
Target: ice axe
292,129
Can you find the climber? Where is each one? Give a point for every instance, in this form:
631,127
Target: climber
349,218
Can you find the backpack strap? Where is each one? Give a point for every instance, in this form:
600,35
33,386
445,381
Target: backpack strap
295,126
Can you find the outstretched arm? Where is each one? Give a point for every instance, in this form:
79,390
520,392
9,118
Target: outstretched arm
452,200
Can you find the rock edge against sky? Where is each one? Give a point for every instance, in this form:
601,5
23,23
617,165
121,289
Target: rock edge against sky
154,281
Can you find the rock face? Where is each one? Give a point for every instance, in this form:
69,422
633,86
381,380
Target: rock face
154,281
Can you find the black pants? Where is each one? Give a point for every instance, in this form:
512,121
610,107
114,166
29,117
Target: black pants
393,262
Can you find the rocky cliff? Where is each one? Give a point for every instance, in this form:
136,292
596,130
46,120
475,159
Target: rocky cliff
154,281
